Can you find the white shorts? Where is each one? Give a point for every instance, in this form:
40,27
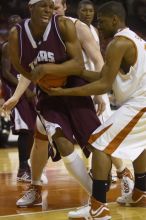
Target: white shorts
123,135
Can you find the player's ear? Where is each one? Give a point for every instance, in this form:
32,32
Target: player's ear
115,19
30,8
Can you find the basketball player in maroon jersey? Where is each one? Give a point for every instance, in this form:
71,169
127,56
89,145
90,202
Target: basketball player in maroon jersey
22,122
51,42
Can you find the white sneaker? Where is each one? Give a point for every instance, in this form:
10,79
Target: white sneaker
127,186
31,197
82,212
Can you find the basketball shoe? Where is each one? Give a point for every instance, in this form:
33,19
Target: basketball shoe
95,210
24,175
80,213
99,211
127,185
136,199
31,197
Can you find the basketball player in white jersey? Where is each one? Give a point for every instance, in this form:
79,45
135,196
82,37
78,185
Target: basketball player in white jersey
86,13
123,134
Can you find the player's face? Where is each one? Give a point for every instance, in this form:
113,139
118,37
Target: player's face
59,8
106,26
42,11
86,13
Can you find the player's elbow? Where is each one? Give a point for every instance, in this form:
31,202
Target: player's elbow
106,87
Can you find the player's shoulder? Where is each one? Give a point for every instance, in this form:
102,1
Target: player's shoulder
63,20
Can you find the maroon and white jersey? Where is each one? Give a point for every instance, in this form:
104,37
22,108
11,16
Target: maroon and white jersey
50,49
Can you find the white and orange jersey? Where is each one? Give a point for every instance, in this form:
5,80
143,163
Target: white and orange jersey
133,83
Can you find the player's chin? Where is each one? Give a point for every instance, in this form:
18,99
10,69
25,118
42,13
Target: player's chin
44,20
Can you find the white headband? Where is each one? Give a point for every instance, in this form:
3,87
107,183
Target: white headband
31,2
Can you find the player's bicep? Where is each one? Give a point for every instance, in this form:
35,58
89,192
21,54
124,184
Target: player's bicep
114,55
71,41
13,47
5,59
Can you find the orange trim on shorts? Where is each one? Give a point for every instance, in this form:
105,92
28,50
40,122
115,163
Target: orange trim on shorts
114,144
93,137
40,136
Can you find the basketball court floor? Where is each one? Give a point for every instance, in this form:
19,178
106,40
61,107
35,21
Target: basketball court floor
60,195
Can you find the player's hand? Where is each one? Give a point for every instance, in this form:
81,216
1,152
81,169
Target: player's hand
56,91
100,104
9,105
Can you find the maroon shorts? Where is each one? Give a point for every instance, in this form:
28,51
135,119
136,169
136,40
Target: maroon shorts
75,115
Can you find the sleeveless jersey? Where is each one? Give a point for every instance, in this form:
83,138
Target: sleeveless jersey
132,84
87,61
50,49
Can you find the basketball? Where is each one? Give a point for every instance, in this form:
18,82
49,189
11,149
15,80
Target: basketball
52,82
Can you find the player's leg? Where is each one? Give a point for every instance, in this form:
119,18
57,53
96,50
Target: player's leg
72,161
39,157
138,197
25,142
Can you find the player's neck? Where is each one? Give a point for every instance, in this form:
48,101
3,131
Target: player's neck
36,30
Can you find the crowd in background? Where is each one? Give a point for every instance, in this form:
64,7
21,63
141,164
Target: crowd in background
136,11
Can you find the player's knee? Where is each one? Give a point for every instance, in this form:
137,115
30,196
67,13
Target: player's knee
64,146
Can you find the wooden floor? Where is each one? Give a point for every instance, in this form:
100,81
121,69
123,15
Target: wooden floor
60,195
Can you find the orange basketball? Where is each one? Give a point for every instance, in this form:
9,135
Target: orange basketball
52,82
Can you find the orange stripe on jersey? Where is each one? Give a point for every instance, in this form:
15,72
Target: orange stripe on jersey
114,144
93,137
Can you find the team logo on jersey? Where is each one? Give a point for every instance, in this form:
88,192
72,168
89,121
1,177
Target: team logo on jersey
43,57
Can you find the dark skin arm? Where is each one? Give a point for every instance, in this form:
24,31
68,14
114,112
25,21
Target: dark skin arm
115,54
74,66
6,66
14,53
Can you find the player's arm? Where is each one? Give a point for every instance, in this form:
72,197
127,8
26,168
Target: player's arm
74,65
6,66
114,55
20,89
14,53
92,50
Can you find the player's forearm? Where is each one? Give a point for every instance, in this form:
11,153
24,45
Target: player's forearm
71,67
95,88
90,76
21,87
10,78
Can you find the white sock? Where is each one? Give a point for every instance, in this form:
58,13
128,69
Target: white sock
77,169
